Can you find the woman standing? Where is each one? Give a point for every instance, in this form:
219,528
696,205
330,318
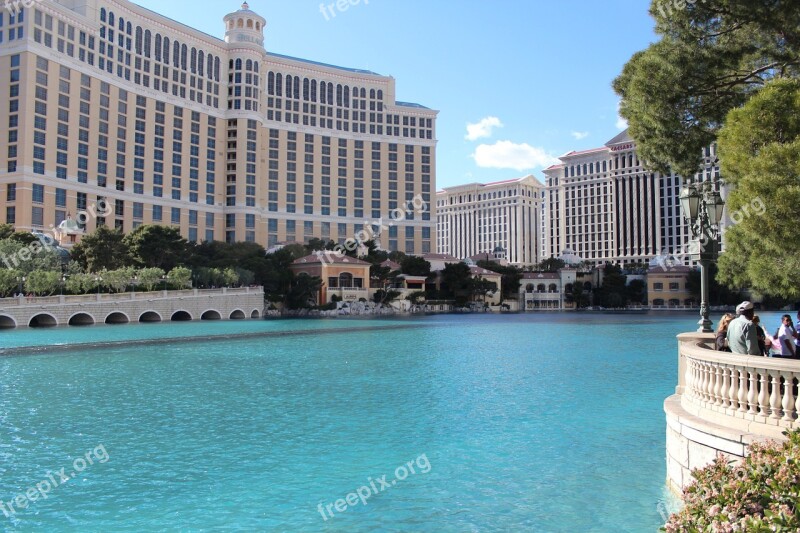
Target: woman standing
721,342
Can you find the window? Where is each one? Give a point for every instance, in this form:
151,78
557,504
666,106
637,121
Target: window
61,198
38,193
674,286
658,287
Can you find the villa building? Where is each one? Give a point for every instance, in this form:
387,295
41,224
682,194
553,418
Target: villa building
342,276
608,207
106,102
483,218
668,287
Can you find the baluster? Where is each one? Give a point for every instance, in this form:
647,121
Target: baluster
726,385
763,396
775,395
796,400
733,391
751,393
743,390
788,397
690,392
707,384
718,388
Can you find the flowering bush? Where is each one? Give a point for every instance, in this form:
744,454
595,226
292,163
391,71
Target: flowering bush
760,494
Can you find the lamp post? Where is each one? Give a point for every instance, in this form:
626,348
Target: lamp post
98,280
702,207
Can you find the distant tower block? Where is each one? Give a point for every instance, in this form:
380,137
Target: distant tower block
244,26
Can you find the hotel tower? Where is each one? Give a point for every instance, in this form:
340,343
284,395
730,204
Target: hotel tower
105,101
605,205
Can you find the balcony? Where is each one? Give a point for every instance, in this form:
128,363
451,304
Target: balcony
723,403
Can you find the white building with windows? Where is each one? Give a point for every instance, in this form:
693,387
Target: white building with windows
606,206
480,218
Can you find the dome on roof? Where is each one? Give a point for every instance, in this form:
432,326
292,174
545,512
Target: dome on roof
570,257
69,226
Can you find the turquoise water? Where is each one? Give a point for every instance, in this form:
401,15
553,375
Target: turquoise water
545,422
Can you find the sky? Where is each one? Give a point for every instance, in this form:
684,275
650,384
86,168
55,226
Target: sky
517,83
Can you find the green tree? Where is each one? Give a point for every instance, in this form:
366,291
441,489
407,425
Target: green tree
149,278
637,292
28,257
510,280
9,281
119,279
718,293
230,277
413,265
103,249
43,282
613,292
552,264
303,291
760,150
712,57
157,247
245,277
456,278
6,231
480,287
180,278
80,283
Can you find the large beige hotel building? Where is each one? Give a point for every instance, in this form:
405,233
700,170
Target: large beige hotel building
503,217
106,100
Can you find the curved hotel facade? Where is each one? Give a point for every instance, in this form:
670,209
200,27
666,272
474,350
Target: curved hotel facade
106,101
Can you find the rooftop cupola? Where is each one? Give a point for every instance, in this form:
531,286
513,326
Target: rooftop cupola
244,26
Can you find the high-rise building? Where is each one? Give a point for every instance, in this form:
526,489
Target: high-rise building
604,205
105,101
504,216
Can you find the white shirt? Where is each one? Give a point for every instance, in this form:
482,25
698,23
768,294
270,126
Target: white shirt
786,333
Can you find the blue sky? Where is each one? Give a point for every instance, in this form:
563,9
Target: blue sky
533,76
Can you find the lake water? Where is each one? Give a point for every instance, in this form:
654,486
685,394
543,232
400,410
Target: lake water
538,422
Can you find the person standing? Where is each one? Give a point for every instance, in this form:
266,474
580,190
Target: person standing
762,336
742,334
721,341
786,337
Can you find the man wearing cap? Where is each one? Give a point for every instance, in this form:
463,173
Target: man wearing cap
742,333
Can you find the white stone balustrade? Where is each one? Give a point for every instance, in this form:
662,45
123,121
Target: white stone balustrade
723,403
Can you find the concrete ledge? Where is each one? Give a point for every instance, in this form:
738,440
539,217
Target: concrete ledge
694,442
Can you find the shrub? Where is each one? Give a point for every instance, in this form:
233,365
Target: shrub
760,494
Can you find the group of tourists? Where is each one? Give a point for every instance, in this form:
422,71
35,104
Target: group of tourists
743,333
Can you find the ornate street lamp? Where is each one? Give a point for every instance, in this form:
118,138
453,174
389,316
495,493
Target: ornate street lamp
702,207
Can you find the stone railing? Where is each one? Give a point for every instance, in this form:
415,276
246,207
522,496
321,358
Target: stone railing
747,393
124,296
723,403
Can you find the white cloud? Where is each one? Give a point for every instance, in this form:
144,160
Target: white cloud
506,154
483,128
580,134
